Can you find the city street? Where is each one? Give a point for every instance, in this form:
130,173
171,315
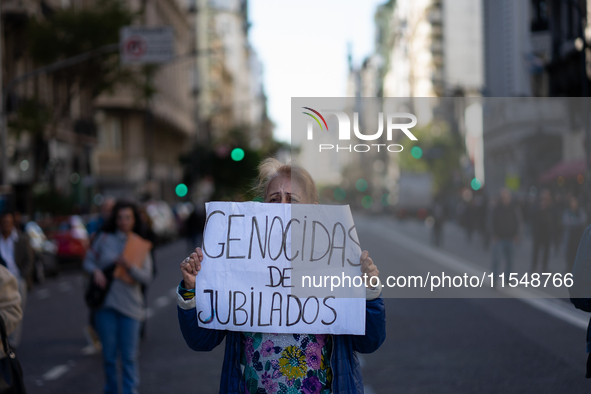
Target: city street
432,346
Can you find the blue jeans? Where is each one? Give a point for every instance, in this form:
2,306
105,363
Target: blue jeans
119,334
502,248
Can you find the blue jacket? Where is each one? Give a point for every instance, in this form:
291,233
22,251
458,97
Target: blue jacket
344,363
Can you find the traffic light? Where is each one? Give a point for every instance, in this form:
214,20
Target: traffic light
416,152
237,154
181,190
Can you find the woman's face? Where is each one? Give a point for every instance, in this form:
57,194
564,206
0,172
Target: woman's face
125,220
282,190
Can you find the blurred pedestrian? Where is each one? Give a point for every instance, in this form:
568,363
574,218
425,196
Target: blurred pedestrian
439,216
148,234
574,220
17,256
95,225
559,205
481,218
10,302
505,229
194,225
119,319
543,225
19,221
11,314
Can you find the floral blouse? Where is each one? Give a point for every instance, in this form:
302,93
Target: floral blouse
286,363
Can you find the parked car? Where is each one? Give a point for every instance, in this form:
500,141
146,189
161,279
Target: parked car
71,238
163,220
44,250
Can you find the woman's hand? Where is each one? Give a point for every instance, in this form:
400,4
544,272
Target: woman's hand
190,267
99,278
123,262
369,268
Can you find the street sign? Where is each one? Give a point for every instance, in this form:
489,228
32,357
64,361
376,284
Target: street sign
146,45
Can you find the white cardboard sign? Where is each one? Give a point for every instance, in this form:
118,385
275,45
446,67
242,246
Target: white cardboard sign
255,257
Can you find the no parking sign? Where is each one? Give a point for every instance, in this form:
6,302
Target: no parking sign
146,45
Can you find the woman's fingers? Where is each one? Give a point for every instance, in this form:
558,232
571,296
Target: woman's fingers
195,262
189,271
199,253
367,265
366,262
192,264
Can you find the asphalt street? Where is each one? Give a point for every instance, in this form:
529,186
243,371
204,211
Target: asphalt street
433,345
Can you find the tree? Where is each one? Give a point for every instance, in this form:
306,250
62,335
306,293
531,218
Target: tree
441,153
63,34
233,180
72,31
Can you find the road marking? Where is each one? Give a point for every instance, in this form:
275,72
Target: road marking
56,372
89,350
161,302
539,300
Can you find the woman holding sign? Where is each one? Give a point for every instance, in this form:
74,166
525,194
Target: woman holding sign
281,363
119,261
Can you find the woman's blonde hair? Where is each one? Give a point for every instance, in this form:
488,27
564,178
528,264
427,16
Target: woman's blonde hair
271,168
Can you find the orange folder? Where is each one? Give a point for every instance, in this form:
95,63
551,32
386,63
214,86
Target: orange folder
135,251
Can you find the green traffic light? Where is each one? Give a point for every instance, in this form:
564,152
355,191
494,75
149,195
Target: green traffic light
339,194
237,154
416,152
181,190
361,184
476,184
366,202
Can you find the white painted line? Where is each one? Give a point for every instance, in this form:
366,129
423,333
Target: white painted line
56,372
161,302
539,300
89,350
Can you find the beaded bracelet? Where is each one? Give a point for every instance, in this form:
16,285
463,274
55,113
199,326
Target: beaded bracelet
186,293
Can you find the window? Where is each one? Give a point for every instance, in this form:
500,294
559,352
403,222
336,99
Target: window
109,134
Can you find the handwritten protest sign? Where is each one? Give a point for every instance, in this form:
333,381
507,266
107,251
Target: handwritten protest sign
256,257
